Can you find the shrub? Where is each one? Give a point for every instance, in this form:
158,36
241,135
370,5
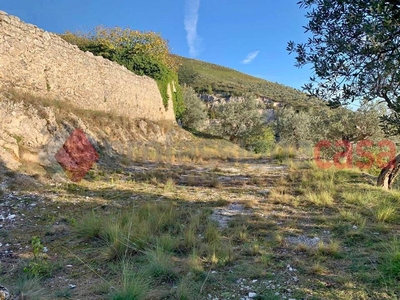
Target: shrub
195,113
238,119
260,140
144,53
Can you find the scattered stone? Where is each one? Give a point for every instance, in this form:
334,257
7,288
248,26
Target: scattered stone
11,217
4,293
252,295
223,215
296,240
264,192
291,269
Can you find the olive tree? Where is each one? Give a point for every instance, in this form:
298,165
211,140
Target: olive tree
354,49
237,119
293,127
195,115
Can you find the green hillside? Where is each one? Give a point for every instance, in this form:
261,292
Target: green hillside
214,79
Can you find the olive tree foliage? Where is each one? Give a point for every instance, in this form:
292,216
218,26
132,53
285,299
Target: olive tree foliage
293,127
349,125
195,115
299,128
237,118
242,122
354,49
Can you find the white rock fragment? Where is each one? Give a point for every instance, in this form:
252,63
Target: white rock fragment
252,295
11,217
291,269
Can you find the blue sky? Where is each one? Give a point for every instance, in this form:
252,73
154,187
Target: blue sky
249,36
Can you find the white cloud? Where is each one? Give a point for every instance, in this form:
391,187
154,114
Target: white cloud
250,57
191,18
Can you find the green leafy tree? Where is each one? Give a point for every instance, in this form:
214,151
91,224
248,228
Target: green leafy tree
237,119
195,114
354,49
187,74
293,127
260,139
307,128
347,127
345,124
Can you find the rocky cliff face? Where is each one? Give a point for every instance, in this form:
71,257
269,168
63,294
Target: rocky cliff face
49,88
45,65
32,132
218,99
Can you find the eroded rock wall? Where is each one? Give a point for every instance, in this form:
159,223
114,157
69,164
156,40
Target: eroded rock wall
43,64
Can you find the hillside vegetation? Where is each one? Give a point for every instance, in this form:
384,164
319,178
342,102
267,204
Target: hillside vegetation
214,79
165,215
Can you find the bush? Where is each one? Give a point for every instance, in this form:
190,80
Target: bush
144,53
238,120
195,113
260,140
